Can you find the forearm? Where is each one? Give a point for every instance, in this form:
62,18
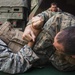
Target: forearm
36,22
34,26
42,17
36,32
16,63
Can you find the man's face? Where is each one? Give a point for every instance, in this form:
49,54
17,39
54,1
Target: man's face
54,8
58,46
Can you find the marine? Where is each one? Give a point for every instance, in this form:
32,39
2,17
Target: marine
33,55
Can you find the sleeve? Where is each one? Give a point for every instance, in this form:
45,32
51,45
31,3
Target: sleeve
44,43
16,63
45,15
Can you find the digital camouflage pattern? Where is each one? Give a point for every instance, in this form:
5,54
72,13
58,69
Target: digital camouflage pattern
43,46
45,15
43,50
16,62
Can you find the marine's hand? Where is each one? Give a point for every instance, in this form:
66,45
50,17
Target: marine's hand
33,29
37,22
28,34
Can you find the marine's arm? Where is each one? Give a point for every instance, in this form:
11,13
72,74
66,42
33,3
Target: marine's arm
16,62
44,43
37,23
40,19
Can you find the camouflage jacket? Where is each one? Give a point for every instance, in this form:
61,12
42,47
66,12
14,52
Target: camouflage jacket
45,15
16,62
43,50
43,46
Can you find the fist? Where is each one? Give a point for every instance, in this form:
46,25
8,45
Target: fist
37,22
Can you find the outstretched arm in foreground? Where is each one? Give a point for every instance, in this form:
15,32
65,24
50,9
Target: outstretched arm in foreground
16,62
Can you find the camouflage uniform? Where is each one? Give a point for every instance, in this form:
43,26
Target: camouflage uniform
16,62
46,15
43,50
44,47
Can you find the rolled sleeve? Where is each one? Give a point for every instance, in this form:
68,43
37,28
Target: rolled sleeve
16,63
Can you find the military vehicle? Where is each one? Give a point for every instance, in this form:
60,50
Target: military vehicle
13,11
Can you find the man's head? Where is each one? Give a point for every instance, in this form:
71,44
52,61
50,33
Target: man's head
53,7
64,41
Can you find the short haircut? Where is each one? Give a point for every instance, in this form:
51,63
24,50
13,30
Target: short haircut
67,38
54,3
